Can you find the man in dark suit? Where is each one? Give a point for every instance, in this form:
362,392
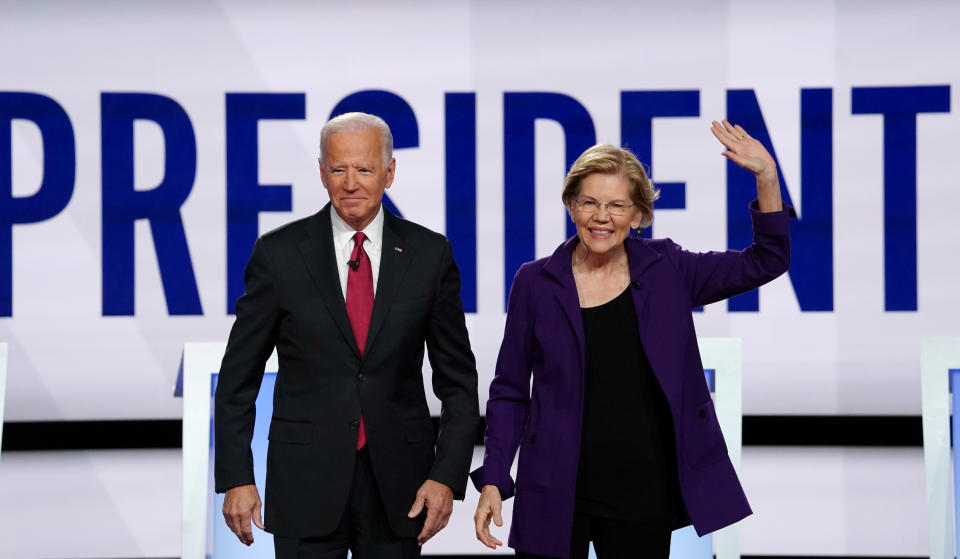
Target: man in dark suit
348,297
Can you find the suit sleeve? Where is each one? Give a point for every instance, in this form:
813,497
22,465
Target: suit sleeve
509,401
251,341
714,276
454,380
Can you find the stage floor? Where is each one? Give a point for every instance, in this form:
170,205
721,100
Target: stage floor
807,501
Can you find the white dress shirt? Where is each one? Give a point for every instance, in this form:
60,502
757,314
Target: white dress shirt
343,246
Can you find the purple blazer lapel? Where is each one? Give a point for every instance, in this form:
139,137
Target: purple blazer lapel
639,258
651,326
560,268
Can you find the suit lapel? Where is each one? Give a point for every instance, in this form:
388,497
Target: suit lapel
649,326
395,258
320,258
560,267
639,258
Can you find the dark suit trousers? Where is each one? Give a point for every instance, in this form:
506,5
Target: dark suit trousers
363,529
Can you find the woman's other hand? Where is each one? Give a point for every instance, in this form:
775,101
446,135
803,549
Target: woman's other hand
750,154
488,507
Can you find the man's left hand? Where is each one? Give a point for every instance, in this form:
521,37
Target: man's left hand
438,498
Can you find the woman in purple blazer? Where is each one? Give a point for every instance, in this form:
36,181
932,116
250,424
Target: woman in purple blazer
619,442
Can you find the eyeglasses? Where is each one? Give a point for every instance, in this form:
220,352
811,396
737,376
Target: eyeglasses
592,207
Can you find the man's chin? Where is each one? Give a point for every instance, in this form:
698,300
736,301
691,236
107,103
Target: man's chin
352,215
348,211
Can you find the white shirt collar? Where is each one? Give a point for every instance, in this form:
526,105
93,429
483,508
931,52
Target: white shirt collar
343,246
343,233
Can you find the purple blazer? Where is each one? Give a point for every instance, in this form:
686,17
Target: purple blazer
544,336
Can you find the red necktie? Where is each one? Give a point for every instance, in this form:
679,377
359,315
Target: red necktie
360,303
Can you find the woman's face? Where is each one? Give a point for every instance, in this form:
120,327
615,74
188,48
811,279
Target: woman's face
599,229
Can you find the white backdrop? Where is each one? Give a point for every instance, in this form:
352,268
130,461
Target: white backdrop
857,358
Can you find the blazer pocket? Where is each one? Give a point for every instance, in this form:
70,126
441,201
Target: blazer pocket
296,432
418,431
703,442
536,465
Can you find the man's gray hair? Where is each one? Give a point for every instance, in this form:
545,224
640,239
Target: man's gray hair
353,122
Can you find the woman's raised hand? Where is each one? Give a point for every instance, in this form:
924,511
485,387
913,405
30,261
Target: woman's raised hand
744,150
750,154
488,507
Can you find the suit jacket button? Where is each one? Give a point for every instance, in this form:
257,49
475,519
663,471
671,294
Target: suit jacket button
361,378
354,424
703,414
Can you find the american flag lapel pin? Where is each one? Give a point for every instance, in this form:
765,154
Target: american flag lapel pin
398,249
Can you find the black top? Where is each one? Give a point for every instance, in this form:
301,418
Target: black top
628,461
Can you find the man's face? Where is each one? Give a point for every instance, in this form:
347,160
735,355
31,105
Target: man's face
353,173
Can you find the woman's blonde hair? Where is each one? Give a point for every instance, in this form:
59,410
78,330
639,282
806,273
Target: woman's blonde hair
607,159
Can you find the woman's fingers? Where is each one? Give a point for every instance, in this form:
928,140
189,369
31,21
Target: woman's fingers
734,133
743,149
486,511
731,130
724,135
742,132
479,519
482,524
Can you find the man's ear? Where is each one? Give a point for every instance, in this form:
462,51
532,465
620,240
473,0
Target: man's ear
390,171
323,173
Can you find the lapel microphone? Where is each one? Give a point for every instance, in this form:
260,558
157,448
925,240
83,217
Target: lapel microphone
354,264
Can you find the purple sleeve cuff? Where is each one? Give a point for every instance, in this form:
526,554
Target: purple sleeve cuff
773,223
481,477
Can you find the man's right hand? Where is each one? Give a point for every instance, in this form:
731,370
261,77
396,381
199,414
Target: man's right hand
239,505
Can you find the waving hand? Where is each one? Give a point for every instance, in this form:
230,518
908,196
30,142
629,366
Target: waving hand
750,154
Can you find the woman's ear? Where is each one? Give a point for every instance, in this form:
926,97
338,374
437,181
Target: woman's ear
637,220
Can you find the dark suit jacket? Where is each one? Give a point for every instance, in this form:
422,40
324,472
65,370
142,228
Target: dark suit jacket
293,301
544,337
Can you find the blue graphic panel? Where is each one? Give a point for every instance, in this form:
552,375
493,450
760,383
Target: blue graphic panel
686,544
225,543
